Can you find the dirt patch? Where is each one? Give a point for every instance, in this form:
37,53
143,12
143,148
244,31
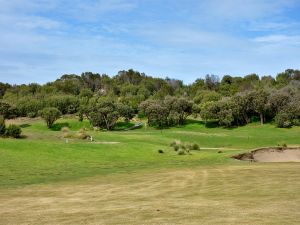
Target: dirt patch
275,154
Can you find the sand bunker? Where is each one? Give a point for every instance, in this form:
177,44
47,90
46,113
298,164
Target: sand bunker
271,155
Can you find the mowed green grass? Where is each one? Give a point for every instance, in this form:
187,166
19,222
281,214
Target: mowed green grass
44,156
121,178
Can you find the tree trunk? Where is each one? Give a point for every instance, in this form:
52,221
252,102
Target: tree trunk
261,118
106,122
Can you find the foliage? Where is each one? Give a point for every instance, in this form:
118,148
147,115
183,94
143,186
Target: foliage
167,112
66,104
50,115
2,126
13,131
7,110
231,101
105,112
183,149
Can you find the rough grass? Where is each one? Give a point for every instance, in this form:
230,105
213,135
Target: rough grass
44,180
248,194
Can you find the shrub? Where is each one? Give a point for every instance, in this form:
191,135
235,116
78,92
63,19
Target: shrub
13,131
181,152
173,143
66,132
176,147
160,151
65,129
2,126
31,114
191,147
284,145
182,148
81,134
283,120
195,147
50,115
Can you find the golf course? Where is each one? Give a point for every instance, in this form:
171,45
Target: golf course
119,177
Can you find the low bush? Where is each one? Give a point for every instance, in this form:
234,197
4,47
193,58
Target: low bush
2,126
181,152
182,148
13,131
283,120
176,148
195,147
66,132
81,134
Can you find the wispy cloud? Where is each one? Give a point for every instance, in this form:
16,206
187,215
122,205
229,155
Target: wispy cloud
279,39
244,9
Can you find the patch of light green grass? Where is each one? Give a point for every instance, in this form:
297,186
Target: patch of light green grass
44,156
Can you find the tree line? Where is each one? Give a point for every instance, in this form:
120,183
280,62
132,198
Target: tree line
103,100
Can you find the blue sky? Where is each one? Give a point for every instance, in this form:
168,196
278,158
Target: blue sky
42,39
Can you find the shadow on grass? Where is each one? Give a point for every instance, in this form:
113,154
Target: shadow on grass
194,121
58,126
126,126
25,125
212,124
22,136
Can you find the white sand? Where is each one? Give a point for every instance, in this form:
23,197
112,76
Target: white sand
275,155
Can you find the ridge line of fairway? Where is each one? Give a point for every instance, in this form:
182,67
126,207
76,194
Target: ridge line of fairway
209,148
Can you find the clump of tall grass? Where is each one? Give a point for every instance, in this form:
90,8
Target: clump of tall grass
183,149
81,134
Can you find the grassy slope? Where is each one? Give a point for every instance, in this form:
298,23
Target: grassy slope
44,156
202,188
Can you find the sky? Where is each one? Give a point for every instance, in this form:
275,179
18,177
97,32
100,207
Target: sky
40,40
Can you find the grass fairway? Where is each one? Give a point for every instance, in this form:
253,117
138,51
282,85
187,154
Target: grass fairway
120,178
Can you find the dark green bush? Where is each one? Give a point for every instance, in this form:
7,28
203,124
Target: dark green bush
176,148
13,131
195,147
181,152
283,120
2,126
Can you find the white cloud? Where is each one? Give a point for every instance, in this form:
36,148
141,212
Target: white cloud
279,39
272,26
14,21
244,9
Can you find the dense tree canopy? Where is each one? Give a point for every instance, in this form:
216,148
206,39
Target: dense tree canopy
231,101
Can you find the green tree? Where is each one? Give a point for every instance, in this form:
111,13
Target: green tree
7,110
50,115
125,111
260,100
104,113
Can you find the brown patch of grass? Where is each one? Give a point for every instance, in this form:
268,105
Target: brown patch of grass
250,194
